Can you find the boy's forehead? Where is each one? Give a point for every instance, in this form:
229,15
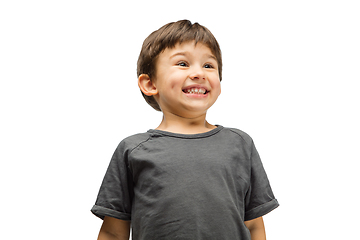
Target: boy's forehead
188,48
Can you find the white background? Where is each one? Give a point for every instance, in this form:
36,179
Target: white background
69,94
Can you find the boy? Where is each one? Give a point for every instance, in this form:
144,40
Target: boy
186,179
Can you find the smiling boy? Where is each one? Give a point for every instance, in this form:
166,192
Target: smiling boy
186,179
186,85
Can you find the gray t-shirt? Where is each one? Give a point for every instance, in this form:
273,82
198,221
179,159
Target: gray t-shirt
181,186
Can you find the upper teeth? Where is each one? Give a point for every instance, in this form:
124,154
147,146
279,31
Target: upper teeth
196,90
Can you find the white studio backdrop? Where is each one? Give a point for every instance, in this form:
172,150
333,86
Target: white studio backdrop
69,95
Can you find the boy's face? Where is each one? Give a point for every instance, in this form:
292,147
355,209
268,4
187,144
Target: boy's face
187,79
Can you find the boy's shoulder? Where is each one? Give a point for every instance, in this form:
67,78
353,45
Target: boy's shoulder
246,137
134,140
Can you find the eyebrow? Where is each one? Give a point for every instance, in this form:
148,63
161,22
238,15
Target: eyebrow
187,53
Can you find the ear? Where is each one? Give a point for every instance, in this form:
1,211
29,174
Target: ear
146,85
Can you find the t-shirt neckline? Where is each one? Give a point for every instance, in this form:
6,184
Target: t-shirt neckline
191,136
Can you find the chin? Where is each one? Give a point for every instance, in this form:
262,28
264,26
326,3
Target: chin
196,110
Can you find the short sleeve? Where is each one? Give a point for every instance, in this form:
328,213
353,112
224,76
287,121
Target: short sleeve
115,195
260,199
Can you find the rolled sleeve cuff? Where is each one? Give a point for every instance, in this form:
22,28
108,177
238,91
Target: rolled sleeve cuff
261,210
101,212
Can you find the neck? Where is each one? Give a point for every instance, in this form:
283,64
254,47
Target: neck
178,124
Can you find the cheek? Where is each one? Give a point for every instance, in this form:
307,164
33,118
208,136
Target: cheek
216,86
219,91
176,80
215,83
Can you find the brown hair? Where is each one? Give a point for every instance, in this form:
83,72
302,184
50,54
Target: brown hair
167,37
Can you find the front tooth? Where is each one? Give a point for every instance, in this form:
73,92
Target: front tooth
196,90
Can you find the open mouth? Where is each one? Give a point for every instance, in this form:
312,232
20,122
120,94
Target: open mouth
195,91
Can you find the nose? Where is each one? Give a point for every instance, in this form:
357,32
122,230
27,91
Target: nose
197,73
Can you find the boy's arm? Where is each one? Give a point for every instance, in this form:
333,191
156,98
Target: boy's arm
114,229
257,228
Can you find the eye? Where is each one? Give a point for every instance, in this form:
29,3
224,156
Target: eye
208,65
182,64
